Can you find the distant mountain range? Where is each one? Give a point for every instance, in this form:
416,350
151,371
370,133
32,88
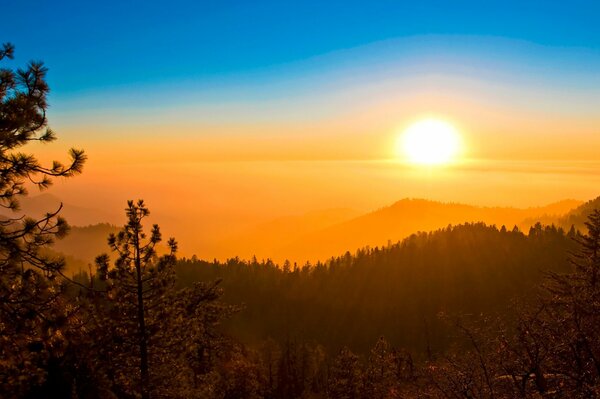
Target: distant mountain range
39,205
321,234
302,238
89,228
86,243
267,239
407,216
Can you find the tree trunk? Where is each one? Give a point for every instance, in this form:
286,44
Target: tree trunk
145,380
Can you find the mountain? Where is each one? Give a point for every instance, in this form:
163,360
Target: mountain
264,240
83,244
575,217
320,234
578,216
407,216
39,205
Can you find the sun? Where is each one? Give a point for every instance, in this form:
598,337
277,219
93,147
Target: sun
430,142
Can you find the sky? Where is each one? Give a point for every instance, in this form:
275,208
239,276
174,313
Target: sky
211,73
236,112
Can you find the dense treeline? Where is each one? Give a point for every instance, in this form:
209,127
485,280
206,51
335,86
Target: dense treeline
545,347
397,291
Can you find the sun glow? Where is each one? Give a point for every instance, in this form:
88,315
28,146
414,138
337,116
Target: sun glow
429,142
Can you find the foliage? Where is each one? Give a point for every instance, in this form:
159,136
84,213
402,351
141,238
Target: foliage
33,316
346,376
148,330
551,351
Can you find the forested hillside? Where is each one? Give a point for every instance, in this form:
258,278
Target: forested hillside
578,217
397,291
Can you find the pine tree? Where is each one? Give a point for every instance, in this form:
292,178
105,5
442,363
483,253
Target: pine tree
136,287
32,317
587,261
152,332
575,313
382,373
346,376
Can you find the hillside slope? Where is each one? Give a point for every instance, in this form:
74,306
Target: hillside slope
397,291
408,216
39,205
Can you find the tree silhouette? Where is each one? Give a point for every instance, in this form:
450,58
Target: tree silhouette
138,281
346,376
574,308
23,106
381,375
31,318
153,334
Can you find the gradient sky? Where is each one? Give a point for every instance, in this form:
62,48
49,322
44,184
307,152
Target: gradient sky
254,109
249,80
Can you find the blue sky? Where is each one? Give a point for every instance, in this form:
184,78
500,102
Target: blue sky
91,45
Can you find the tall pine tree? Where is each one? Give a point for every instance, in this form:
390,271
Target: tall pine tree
151,332
32,315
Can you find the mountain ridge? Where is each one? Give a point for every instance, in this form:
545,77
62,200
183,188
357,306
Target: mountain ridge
409,215
322,234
